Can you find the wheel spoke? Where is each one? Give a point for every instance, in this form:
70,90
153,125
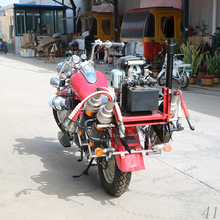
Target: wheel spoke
109,171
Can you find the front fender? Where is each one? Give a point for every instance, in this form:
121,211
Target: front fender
161,73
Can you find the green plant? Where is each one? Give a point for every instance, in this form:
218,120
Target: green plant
192,56
213,63
205,48
156,63
203,29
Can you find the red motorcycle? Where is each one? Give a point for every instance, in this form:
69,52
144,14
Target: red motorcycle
106,123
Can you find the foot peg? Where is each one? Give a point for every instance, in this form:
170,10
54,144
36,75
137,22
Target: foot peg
64,139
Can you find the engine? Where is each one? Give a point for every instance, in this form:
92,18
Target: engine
134,85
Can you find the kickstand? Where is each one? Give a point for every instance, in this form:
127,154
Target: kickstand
85,172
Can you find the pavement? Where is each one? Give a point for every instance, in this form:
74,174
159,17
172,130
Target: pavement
99,65
36,171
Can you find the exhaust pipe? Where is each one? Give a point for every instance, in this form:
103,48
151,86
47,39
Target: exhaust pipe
58,103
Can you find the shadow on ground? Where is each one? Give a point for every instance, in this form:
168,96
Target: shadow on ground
60,165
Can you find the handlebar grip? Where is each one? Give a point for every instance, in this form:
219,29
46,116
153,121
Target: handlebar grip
191,125
112,44
117,44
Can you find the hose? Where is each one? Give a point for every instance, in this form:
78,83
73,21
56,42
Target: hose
117,111
76,111
183,104
185,110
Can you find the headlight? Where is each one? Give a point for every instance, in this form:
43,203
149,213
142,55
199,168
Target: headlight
76,59
59,66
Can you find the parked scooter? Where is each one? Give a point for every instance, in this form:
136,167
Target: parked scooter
106,125
181,72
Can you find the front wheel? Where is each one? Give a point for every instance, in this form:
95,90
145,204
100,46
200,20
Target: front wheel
184,80
162,79
60,116
115,182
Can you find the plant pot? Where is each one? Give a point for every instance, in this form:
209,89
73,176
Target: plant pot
192,79
155,72
216,80
201,73
207,81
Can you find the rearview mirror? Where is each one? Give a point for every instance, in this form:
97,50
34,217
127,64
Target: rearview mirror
55,82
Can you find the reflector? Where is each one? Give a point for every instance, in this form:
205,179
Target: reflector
99,152
167,148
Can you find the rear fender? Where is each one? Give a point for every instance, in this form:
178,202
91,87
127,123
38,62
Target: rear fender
128,162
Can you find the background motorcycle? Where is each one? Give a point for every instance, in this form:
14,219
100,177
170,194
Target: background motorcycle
3,46
106,123
181,72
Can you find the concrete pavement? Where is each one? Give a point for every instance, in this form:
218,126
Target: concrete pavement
36,171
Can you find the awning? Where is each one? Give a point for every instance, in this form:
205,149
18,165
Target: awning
30,6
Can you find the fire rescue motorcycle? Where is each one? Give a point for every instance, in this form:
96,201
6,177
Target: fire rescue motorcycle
105,123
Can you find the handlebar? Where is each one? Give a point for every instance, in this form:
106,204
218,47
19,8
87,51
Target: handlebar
106,44
165,41
191,125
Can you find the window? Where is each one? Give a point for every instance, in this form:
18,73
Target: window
20,22
106,27
167,26
150,26
33,21
47,23
59,27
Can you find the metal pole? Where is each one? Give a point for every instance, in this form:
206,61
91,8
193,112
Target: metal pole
170,53
116,20
74,15
186,18
214,17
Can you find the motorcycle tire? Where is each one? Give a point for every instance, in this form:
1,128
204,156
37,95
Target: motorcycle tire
162,79
184,80
115,181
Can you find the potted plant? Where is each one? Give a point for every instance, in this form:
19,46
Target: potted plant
212,64
192,56
205,48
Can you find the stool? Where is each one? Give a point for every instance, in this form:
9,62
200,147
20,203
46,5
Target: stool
51,55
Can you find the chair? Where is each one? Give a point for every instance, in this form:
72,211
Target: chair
51,55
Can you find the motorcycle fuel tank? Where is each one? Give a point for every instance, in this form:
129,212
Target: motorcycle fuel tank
83,88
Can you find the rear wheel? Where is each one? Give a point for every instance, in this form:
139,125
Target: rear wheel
115,182
162,79
184,80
